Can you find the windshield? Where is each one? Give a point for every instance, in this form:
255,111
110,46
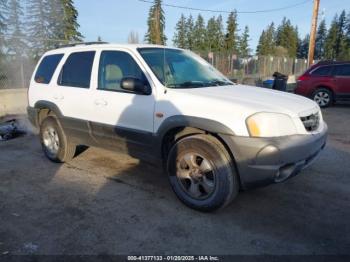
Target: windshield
181,69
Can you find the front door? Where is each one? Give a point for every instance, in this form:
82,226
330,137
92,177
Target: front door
122,119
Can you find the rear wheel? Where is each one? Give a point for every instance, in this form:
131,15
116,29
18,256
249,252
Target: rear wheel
54,142
323,97
202,173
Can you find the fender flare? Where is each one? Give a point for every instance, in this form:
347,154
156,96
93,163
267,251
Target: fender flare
42,104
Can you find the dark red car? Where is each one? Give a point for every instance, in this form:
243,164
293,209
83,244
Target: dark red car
326,82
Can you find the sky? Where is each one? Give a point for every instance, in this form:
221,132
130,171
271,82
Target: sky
114,19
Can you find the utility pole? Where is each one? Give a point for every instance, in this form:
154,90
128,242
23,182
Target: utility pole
313,32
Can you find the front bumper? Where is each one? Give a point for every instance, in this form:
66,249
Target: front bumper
262,161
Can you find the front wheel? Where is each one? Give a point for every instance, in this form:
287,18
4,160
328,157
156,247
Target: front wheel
323,97
54,142
202,173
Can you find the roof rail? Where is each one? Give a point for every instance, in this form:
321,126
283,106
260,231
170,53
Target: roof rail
83,43
325,62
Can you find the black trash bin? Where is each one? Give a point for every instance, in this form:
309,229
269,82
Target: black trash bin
280,82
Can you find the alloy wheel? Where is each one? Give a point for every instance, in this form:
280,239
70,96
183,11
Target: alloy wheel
196,175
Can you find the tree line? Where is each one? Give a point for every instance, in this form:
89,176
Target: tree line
331,44
284,40
45,25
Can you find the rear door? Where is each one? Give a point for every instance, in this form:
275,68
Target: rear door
122,119
342,80
73,95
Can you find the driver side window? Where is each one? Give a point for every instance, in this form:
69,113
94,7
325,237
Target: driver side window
114,66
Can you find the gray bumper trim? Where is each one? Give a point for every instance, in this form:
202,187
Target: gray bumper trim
262,161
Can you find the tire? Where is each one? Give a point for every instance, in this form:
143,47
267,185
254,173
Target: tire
323,97
202,173
54,142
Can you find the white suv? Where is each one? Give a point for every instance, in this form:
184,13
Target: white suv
168,106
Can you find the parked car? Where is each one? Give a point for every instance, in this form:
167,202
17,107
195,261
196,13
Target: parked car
170,107
326,83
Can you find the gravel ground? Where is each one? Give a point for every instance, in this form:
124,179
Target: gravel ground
107,203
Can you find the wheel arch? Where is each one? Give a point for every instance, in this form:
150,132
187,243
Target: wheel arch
324,87
45,108
179,127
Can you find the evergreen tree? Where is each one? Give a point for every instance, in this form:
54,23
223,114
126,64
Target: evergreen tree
303,47
345,48
220,33
341,46
16,44
199,35
331,40
244,50
180,36
231,38
215,37
70,22
189,33
38,24
266,45
286,37
3,22
320,40
156,24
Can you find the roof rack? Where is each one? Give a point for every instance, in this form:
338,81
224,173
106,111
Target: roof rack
83,43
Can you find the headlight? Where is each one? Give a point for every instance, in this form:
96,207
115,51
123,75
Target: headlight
270,125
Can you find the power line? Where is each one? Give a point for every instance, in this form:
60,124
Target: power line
225,11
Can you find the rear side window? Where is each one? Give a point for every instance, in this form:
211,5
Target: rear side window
322,71
342,70
47,68
76,72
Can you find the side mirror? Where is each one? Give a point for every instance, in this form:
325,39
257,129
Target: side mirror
135,85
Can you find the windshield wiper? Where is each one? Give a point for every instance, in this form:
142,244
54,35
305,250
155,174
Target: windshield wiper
217,82
189,84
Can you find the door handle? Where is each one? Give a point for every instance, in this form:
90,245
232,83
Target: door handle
58,97
100,102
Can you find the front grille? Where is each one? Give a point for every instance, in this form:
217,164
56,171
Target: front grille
311,122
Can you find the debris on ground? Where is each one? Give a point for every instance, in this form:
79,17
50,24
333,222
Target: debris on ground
10,129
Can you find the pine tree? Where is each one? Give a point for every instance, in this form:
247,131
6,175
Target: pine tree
156,24
199,35
211,38
180,36
267,45
16,44
220,33
286,37
38,24
244,50
70,22
341,46
303,47
231,38
331,40
320,40
345,48
3,22
189,33
215,36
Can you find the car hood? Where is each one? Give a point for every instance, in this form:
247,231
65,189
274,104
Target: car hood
256,99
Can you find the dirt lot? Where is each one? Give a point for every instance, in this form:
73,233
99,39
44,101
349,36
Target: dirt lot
105,203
